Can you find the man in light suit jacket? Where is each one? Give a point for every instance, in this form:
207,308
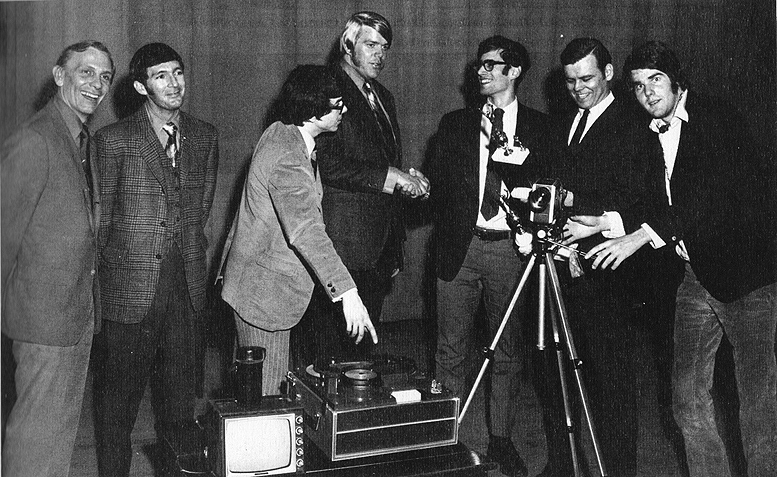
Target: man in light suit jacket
475,257
718,224
50,215
278,245
360,169
158,176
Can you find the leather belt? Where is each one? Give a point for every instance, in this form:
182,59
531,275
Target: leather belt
490,235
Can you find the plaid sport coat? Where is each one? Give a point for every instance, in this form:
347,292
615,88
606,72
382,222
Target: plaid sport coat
134,214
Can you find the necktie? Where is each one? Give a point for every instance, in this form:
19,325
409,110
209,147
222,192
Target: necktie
171,149
493,186
580,128
381,117
86,160
314,164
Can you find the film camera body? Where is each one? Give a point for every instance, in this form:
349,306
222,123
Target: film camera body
546,202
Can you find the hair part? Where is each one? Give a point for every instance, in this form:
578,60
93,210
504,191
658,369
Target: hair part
512,52
579,48
81,47
150,55
656,55
306,94
354,26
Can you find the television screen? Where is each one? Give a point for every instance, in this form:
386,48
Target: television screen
259,442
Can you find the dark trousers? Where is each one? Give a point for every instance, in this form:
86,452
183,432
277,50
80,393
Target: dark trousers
321,334
604,339
161,347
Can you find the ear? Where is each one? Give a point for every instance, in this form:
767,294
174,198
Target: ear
59,75
514,73
609,72
140,88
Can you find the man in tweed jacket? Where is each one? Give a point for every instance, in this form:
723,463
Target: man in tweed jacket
158,176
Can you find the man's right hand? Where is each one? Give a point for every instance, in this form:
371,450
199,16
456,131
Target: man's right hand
357,320
413,184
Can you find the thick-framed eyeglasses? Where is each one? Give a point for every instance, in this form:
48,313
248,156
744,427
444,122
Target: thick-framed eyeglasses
337,106
488,65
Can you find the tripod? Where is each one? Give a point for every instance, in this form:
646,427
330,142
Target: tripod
541,253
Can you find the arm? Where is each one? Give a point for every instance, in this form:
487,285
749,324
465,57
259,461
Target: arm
25,169
211,170
108,165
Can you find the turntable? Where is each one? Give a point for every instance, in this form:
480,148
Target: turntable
375,407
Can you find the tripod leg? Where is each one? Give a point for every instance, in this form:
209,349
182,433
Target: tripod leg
495,341
563,325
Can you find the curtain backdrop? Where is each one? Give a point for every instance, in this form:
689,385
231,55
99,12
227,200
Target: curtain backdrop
238,52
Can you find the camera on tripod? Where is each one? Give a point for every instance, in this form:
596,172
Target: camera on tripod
546,202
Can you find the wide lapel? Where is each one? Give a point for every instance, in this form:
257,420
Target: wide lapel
150,147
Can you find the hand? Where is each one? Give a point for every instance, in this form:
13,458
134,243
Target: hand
579,227
424,182
357,320
613,252
411,185
524,241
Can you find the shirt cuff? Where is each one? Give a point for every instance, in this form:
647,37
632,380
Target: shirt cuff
391,180
340,296
615,228
655,240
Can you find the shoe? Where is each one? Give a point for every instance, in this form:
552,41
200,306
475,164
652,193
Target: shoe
502,451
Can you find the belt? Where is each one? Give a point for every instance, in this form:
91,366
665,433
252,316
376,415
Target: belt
490,235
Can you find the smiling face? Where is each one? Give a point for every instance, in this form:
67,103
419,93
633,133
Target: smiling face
587,84
653,90
165,87
84,81
497,84
368,54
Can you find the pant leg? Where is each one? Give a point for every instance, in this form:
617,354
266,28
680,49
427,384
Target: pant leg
749,324
42,425
698,333
276,345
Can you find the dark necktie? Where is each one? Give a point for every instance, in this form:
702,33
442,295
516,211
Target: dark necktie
171,149
493,186
86,160
381,117
580,128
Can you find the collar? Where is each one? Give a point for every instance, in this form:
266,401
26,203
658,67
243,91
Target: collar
510,110
72,121
680,114
596,111
310,143
157,121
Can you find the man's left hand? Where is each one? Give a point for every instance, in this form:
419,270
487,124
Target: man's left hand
579,227
613,252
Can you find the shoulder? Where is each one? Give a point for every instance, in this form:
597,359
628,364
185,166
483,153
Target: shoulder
122,128
198,126
460,116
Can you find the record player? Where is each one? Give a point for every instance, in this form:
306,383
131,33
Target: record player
375,407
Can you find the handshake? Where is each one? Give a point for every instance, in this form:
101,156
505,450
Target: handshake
413,184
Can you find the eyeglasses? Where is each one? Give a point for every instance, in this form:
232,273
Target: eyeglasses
488,65
338,106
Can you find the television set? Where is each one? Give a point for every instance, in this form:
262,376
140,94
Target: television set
257,440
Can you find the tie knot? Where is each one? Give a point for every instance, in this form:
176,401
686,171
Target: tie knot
498,114
170,128
367,87
84,131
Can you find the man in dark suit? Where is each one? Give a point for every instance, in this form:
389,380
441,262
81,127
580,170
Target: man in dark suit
158,175
477,158
611,170
50,215
360,169
719,221
278,246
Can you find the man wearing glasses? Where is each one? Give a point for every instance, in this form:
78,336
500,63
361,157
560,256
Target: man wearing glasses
477,157
278,246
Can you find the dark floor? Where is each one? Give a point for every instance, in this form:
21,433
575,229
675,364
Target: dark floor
409,338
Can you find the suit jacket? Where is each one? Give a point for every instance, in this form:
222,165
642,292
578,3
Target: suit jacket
353,163
135,211
723,208
615,167
454,172
49,234
278,239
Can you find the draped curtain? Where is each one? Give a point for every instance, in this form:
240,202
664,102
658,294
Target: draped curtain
238,52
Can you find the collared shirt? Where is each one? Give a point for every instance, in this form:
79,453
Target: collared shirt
499,221
310,142
593,115
72,121
670,143
157,122
392,175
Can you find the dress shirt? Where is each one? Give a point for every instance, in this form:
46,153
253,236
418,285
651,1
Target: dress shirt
157,122
72,121
499,221
392,174
670,142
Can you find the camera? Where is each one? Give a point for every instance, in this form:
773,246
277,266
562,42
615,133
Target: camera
546,201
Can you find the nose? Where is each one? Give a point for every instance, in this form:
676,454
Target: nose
345,108
578,85
173,81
